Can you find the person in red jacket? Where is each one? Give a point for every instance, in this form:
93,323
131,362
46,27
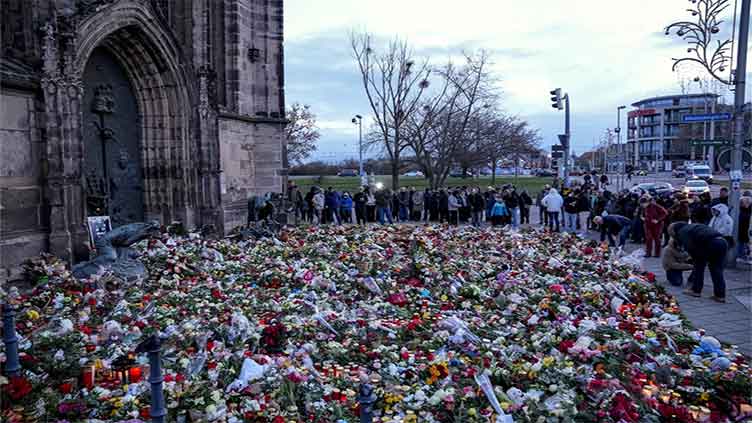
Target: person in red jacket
654,216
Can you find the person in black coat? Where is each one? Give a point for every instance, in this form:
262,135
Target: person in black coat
443,206
477,204
699,210
611,225
707,248
360,205
525,202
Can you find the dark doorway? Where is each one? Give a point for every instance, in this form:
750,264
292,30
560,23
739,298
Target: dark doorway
112,148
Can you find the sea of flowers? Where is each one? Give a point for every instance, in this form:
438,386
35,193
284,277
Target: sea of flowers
445,324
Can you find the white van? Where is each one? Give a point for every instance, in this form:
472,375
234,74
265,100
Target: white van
700,172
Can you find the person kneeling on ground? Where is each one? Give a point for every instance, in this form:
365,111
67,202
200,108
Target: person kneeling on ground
674,262
611,225
707,249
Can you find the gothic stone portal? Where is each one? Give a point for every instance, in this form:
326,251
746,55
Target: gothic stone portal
111,128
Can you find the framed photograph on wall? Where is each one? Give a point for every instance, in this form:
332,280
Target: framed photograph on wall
98,226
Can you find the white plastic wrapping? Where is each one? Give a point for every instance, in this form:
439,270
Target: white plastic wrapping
250,371
485,385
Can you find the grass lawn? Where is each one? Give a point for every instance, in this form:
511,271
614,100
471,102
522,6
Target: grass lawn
351,184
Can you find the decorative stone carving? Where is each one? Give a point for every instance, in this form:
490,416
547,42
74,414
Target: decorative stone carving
104,101
114,254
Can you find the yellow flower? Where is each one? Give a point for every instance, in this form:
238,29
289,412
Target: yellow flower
32,314
548,360
472,412
704,396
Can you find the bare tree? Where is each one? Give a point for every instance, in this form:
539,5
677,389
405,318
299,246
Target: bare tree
445,131
301,133
394,84
509,138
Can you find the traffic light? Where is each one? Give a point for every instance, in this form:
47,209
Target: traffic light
556,99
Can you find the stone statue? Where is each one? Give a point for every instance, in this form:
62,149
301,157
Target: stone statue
114,254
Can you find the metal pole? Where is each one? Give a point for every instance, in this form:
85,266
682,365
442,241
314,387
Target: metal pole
12,366
569,139
153,346
360,145
735,175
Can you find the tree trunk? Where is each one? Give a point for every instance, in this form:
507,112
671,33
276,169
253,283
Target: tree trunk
395,174
493,174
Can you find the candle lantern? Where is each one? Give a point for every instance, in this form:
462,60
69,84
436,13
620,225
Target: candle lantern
122,368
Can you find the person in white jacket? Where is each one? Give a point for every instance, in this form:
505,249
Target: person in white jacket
721,221
318,206
453,205
553,203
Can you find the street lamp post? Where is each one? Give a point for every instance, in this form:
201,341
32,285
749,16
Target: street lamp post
619,154
714,58
358,120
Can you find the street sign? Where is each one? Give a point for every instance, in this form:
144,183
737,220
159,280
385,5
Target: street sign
706,117
725,143
564,140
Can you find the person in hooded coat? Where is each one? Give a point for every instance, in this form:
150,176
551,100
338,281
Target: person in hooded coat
707,249
654,216
722,222
553,203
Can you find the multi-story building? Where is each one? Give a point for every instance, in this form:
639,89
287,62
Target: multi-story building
657,139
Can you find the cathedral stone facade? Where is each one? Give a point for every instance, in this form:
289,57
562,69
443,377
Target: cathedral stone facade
168,110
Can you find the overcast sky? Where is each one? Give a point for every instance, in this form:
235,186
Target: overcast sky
605,53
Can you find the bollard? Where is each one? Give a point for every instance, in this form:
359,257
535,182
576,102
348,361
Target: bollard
366,398
12,366
153,347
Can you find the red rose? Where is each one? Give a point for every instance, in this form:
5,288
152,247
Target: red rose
17,387
587,251
650,276
144,413
565,345
180,378
209,345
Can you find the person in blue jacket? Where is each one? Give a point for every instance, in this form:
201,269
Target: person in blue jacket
499,211
331,206
345,208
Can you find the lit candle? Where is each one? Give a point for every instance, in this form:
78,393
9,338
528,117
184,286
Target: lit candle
134,373
88,376
664,396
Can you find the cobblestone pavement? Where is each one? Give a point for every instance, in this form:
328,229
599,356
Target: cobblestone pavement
730,322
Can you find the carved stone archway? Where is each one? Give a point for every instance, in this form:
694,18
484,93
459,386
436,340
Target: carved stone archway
131,32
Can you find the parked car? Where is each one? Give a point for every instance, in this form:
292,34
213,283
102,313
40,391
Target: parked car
701,172
679,172
456,173
348,172
414,174
545,173
696,187
654,188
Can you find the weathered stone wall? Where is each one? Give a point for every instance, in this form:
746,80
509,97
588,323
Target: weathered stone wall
23,219
251,159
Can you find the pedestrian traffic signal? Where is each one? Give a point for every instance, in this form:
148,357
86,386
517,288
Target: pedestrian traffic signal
556,99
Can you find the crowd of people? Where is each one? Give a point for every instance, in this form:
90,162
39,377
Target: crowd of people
461,205
677,227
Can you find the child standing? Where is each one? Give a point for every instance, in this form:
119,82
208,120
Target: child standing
674,262
499,212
